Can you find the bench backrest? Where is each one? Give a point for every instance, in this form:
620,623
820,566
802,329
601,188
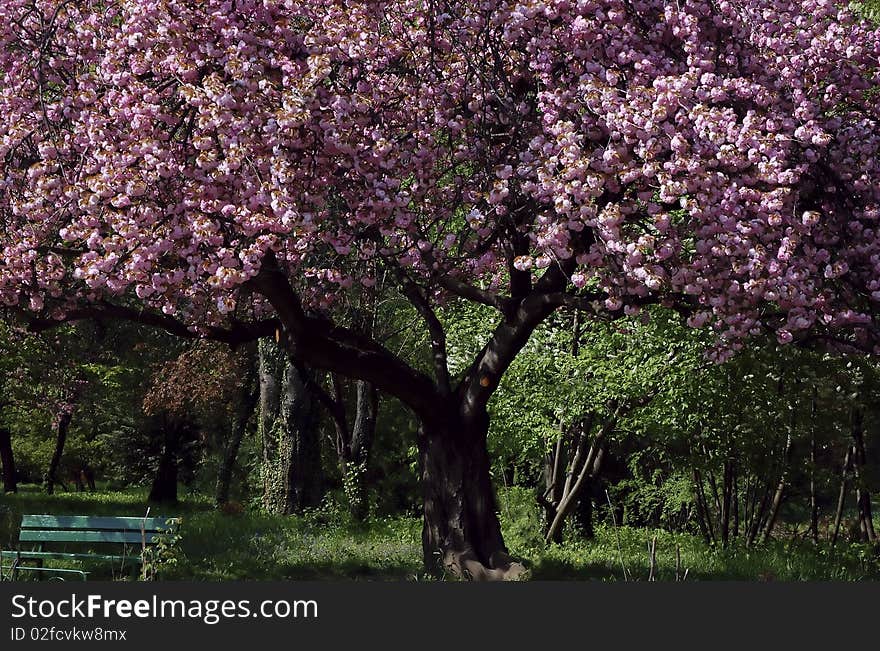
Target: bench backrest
94,529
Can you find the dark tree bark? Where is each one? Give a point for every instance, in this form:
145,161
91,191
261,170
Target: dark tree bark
863,494
814,501
164,488
841,495
726,501
7,459
779,493
736,497
246,402
760,512
584,513
462,533
61,427
704,517
354,451
288,427
354,442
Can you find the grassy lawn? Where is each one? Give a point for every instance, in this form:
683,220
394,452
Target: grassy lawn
325,544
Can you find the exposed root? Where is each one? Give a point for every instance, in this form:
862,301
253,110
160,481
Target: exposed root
466,566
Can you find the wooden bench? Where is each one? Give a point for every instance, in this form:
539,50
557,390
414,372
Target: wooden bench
130,536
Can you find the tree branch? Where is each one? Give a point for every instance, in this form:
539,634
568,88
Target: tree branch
319,342
472,293
236,334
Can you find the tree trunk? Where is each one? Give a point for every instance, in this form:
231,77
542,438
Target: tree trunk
247,401
462,533
7,459
61,427
582,469
814,501
357,451
704,517
584,512
863,495
841,495
164,488
726,489
288,427
735,502
779,494
760,513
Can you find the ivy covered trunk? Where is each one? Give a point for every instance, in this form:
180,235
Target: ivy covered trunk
288,429
7,460
461,535
354,443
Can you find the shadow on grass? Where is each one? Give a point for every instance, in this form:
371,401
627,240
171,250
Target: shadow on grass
556,569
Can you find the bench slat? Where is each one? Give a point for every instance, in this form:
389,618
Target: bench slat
61,555
54,570
96,523
133,537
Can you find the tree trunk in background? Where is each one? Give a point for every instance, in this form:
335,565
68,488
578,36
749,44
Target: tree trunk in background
704,517
164,488
353,443
554,464
841,495
288,428
245,404
356,453
779,494
558,467
61,427
7,459
736,496
583,515
814,502
586,459
863,495
726,500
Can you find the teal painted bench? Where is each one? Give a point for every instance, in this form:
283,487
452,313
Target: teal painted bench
121,540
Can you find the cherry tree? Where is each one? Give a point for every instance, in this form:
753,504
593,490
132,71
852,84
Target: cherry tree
233,169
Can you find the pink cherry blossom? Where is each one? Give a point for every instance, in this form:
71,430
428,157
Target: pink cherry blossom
721,155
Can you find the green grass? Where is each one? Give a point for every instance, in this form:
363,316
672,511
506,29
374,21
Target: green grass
323,544
326,544
601,559
618,552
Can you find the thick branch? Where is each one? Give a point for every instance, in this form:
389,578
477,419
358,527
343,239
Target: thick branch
235,334
319,342
435,330
508,339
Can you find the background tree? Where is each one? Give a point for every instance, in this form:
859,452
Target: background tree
207,388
